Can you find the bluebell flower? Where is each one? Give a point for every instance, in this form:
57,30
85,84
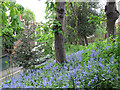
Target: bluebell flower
67,85
85,64
39,86
109,71
117,79
44,83
103,59
101,65
65,67
95,71
108,67
81,76
5,86
103,75
82,87
100,59
49,83
70,67
83,80
88,84
35,83
19,84
92,80
78,83
89,62
112,79
95,77
111,59
51,78
89,67
107,47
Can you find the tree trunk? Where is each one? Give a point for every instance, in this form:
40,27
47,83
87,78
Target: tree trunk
59,37
112,15
83,43
86,41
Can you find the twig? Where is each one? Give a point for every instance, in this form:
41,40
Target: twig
73,85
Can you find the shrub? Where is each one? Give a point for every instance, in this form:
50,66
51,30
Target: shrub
23,54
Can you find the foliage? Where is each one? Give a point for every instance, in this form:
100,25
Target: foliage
93,66
86,68
45,38
10,23
100,22
27,15
50,9
77,26
24,55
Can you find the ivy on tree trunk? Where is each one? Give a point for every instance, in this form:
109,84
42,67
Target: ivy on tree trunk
112,15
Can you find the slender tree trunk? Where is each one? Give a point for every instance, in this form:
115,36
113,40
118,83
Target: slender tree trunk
83,43
112,15
59,38
86,41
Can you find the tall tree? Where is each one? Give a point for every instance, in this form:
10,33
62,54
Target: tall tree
112,15
59,37
10,23
78,22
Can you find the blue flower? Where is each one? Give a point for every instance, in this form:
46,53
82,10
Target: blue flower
101,65
108,67
49,83
65,67
109,71
112,79
78,83
70,67
107,47
103,75
83,80
95,77
81,76
44,83
89,67
92,80
100,59
117,79
5,86
88,84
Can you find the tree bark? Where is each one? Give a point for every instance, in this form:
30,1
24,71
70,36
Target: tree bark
59,37
112,15
83,43
86,41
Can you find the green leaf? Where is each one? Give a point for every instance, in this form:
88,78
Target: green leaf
12,3
6,61
60,32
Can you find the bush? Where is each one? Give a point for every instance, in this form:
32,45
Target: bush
24,54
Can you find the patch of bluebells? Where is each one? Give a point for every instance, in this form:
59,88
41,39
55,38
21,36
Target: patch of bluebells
84,73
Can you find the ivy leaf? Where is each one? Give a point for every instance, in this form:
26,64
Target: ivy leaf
60,32
6,61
